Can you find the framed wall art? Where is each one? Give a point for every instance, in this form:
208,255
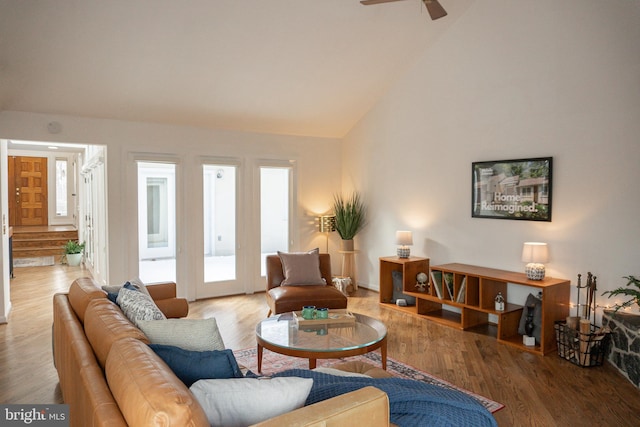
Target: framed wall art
512,189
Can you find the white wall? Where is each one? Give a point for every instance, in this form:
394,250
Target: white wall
318,171
511,80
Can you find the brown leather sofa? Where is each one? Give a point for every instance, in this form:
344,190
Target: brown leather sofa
110,377
283,299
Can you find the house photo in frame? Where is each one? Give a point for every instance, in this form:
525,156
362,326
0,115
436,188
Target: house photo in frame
512,189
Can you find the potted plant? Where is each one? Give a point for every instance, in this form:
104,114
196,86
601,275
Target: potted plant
628,291
350,218
73,252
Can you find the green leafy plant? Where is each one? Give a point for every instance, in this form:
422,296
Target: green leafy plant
628,291
350,215
72,247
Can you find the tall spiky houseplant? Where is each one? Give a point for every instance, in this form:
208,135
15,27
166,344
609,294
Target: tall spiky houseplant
350,217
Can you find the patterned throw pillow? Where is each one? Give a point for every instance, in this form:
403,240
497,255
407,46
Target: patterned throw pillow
136,284
133,284
138,306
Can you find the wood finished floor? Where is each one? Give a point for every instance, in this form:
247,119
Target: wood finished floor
537,391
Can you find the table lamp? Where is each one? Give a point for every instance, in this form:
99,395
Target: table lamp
327,224
404,239
535,254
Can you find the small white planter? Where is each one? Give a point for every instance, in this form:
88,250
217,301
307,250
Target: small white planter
74,259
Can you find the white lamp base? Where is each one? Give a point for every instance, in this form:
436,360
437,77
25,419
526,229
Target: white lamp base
404,252
534,271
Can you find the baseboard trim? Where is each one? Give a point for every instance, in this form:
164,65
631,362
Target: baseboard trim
4,319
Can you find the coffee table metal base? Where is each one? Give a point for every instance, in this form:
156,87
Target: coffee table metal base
313,356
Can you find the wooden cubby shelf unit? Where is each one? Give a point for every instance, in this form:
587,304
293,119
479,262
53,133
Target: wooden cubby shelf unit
474,291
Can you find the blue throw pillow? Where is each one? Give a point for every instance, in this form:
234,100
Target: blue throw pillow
113,297
131,287
191,366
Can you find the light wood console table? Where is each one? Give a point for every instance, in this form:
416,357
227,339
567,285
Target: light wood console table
481,285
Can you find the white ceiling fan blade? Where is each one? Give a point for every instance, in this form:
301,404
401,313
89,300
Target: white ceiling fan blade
435,9
368,2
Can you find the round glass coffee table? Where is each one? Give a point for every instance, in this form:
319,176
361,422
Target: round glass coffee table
282,334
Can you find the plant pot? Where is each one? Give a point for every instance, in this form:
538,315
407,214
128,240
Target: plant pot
74,259
346,245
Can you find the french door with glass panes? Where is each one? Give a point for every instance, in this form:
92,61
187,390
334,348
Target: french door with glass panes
236,239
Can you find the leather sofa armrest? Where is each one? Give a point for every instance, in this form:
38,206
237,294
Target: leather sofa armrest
164,290
164,295
275,275
368,406
173,308
325,268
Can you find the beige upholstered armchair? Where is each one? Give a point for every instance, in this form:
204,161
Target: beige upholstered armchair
283,297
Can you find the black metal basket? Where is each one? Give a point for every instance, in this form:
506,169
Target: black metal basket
582,349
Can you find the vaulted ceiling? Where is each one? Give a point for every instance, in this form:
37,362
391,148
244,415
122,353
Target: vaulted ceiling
306,67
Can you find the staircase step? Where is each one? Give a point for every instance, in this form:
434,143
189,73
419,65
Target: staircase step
39,242
38,235
37,252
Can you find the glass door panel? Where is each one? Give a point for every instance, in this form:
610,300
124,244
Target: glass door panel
157,221
275,205
62,198
219,203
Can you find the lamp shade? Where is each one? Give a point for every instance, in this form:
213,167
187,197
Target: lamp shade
535,252
327,223
404,238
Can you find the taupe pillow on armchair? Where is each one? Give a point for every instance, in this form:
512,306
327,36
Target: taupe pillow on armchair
301,268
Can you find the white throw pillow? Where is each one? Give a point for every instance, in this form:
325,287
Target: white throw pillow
246,401
189,334
138,306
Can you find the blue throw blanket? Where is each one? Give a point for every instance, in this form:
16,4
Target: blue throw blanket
411,403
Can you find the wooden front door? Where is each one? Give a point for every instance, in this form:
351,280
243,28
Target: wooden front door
28,191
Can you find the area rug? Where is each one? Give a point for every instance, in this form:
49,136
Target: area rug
34,262
274,362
